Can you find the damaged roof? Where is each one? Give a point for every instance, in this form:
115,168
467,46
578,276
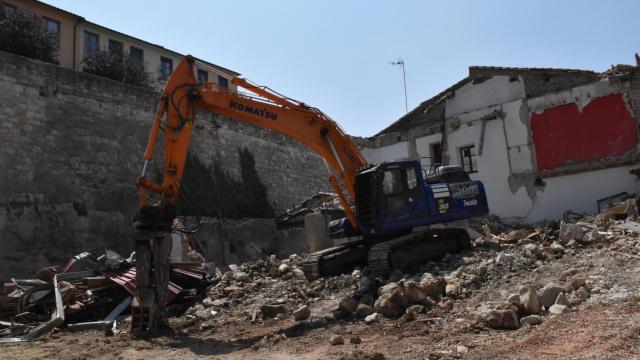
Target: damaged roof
537,81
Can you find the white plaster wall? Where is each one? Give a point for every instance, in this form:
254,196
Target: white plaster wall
423,147
398,151
493,167
580,192
520,144
496,90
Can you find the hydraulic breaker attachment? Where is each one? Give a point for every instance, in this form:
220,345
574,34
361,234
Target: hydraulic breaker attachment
153,248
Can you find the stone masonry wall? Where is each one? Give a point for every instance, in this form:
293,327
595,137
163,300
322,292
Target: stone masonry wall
71,147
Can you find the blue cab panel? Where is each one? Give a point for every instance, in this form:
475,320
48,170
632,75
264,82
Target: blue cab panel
395,197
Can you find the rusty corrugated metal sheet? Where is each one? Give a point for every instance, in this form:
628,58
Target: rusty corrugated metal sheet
127,279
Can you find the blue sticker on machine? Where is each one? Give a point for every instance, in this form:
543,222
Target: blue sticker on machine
464,190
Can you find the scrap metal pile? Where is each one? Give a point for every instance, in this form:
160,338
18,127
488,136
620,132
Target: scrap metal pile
89,292
322,202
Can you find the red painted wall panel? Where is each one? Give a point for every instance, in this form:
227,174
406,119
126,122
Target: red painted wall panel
603,128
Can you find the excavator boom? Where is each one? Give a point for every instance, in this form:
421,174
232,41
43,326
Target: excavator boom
182,96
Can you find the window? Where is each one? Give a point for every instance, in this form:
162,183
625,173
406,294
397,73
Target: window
436,154
115,47
412,179
392,182
91,42
166,67
468,158
203,76
223,82
400,188
54,27
137,55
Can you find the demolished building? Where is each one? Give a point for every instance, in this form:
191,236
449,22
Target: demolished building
543,141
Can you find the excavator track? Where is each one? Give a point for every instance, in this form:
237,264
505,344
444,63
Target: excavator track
409,250
335,260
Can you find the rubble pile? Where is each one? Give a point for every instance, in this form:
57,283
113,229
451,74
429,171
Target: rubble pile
514,278
266,289
274,288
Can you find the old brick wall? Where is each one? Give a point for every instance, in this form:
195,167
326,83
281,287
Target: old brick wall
71,147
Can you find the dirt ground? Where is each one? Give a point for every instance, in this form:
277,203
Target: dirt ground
605,326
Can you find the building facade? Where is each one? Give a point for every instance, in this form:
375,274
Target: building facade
543,141
80,38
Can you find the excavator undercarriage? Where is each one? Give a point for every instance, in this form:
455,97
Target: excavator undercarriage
383,254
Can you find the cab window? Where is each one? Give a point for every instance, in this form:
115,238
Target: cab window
392,183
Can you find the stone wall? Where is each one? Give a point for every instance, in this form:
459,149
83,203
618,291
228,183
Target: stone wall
71,147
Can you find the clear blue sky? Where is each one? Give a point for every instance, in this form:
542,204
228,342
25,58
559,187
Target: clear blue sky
334,54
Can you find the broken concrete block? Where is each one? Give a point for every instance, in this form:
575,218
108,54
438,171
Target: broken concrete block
570,232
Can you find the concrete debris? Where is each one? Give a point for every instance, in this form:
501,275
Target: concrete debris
348,305
503,319
302,313
391,302
513,299
557,309
515,235
562,300
363,310
370,319
548,294
570,232
271,291
577,282
531,320
529,301
271,311
337,340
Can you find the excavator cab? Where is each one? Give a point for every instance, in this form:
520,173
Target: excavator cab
394,197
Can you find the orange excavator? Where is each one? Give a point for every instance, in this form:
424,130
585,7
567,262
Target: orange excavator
383,203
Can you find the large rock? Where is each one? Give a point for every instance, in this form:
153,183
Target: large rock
392,302
502,319
370,319
302,313
241,276
363,310
336,340
412,292
531,320
548,294
433,287
529,301
532,251
513,299
348,305
577,282
510,319
453,289
557,309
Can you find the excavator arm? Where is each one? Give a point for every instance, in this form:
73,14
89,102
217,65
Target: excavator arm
175,115
182,96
